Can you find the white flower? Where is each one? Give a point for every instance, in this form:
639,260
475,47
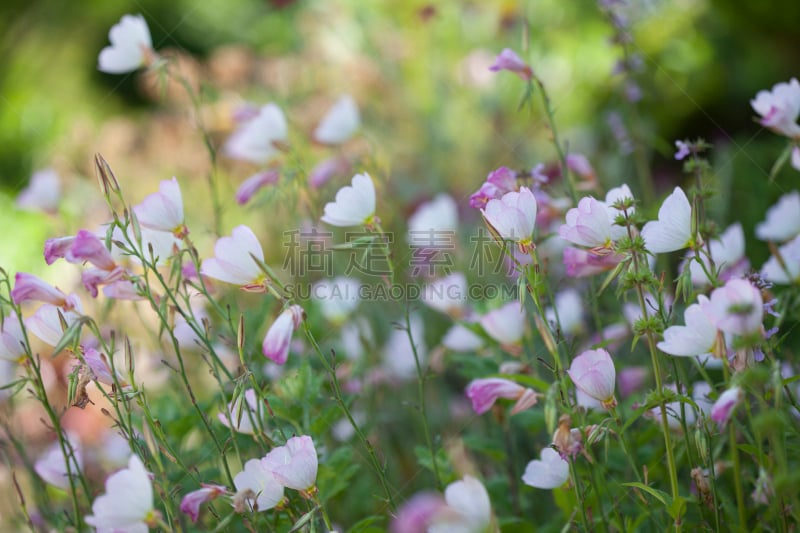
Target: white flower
257,481
339,123
448,294
398,356
162,210
337,297
131,46
52,467
513,216
295,464
727,252
673,229
549,472
233,259
433,219
783,219
46,324
468,508
127,505
258,139
354,204
697,337
460,338
790,254
42,193
569,305
779,108
505,324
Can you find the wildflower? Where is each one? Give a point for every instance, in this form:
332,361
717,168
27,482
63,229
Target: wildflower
163,210
233,260
398,353
42,193
510,61
28,287
796,157
569,307
339,123
101,369
191,502
127,504
459,338
631,380
581,263
327,169
727,253
12,340
683,150
468,508
416,514
590,225
499,182
736,308
242,420
513,217
52,467
505,324
131,46
254,183
698,337
354,204
484,393
787,270
579,164
338,298
593,372
45,323
779,108
722,410
783,219
258,139
294,465
549,472
433,222
447,295
279,336
673,229
256,487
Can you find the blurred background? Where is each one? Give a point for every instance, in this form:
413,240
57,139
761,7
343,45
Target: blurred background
626,80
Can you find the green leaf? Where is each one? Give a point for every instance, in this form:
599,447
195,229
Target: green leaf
660,495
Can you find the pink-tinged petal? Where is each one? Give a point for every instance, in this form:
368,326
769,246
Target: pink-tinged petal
295,464
233,261
462,339
339,123
12,339
583,263
46,325
796,157
254,183
242,419
579,164
588,224
780,108
505,324
787,270
417,514
354,204
122,290
593,372
87,247
548,472
57,248
697,337
99,365
163,210
259,138
43,193
128,501
722,410
736,308
279,336
673,229
93,277
257,478
483,393
191,502
28,287
510,61
327,169
468,497
783,219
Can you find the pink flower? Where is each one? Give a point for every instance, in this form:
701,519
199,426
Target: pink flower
590,225
579,164
509,60
163,210
233,260
593,372
631,380
190,504
505,324
45,323
722,409
42,193
416,515
498,183
127,504
339,123
254,183
327,169
783,219
100,367
257,487
57,248
87,247
683,150
673,229
779,108
736,308
131,46
583,263
513,217
484,393
354,204
258,139
294,465
28,287
549,472
52,467
279,336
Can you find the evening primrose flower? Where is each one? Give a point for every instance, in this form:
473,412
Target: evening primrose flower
513,217
499,182
233,260
549,472
787,270
259,139
673,229
447,295
736,308
340,122
45,323
254,183
593,372
28,287
783,219
469,509
415,515
256,487
483,393
590,225
433,220
279,336
131,46
354,204
727,253
53,469
163,210
697,338
191,502
722,410
779,108
505,324
294,464
12,339
127,504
